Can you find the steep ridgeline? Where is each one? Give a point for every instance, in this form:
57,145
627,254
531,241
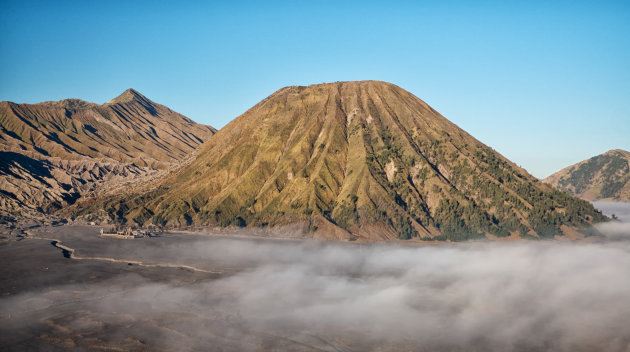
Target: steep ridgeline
52,153
353,160
602,177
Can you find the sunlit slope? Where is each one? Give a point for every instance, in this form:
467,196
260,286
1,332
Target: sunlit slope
354,160
602,177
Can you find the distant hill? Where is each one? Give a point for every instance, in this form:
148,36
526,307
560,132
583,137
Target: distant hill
352,160
602,177
52,153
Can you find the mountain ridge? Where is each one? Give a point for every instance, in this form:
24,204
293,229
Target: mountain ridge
602,177
132,117
55,152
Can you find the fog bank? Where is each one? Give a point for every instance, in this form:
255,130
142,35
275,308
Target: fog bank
619,209
615,230
285,295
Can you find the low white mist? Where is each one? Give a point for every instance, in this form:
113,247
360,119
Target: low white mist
617,229
510,296
618,209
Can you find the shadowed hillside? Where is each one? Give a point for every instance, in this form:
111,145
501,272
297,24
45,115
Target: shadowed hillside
54,152
353,160
602,177
130,128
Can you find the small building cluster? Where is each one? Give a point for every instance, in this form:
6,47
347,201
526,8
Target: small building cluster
131,233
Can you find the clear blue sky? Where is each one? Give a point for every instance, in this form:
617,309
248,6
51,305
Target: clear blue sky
546,83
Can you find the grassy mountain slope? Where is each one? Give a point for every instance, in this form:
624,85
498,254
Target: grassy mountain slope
353,160
602,177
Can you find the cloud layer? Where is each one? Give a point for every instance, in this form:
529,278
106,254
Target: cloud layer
621,210
547,295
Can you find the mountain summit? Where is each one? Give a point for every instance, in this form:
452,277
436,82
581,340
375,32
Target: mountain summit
128,96
602,177
354,160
